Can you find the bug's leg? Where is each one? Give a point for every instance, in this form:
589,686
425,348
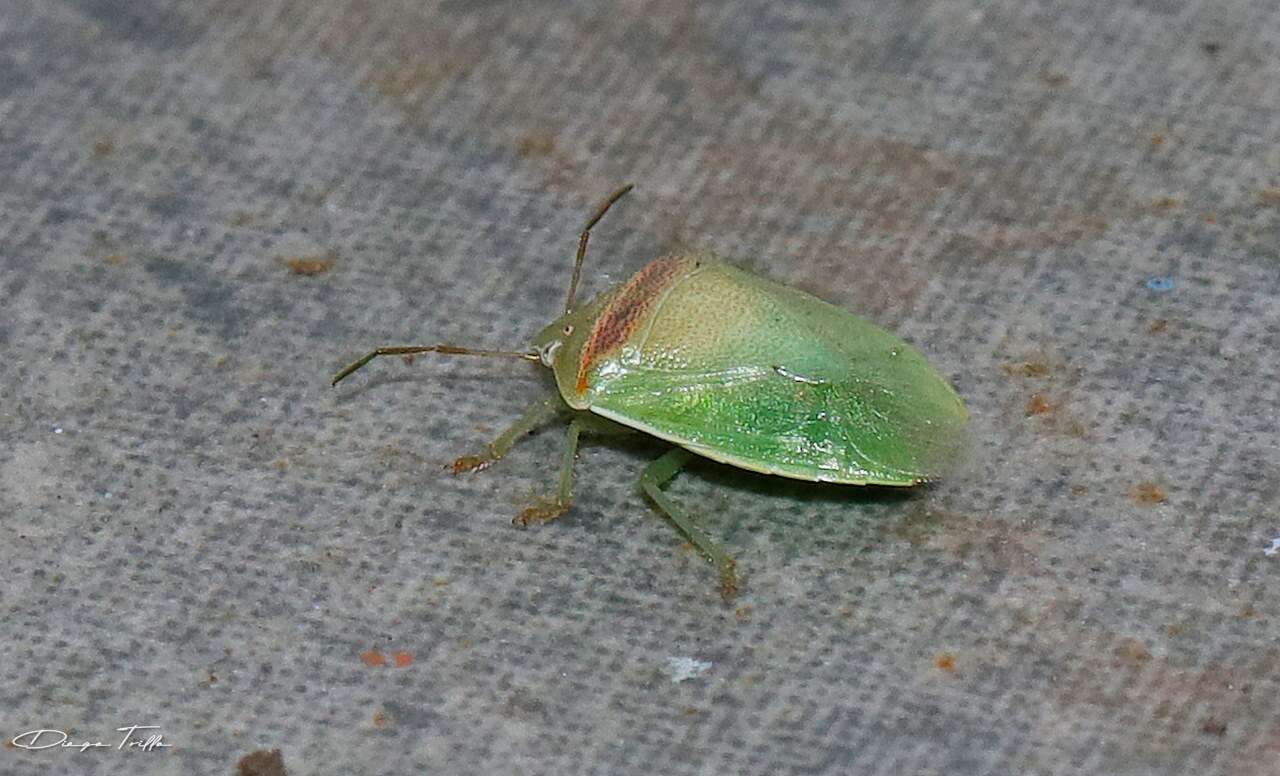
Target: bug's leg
550,508
651,479
535,416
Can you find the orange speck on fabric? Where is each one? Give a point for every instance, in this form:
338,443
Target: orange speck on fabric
1147,493
402,658
373,658
1038,405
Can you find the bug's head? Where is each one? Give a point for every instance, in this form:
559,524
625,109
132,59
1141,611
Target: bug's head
559,346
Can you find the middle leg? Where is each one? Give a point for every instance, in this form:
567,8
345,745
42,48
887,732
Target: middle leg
551,507
548,509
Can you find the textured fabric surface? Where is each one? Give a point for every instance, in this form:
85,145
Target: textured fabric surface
207,208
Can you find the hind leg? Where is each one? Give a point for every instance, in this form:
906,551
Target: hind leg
652,478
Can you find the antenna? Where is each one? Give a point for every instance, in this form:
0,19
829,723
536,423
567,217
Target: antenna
408,350
582,244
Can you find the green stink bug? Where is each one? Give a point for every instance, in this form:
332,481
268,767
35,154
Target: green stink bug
733,367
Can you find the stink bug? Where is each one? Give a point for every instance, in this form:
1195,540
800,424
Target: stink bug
733,367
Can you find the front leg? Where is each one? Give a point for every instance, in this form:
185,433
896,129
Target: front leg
537,415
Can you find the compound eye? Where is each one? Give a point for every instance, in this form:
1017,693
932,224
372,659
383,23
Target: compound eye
568,329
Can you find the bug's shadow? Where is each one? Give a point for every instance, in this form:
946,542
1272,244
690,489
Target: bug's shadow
783,503
646,449
796,490
349,389
796,514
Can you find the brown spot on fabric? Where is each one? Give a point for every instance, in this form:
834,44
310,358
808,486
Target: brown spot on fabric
1038,405
309,265
1026,369
945,662
261,763
1132,652
536,144
617,322
373,658
1147,493
405,83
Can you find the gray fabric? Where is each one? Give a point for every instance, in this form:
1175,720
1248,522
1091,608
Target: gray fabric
208,208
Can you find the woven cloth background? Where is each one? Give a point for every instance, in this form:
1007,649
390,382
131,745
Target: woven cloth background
208,207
